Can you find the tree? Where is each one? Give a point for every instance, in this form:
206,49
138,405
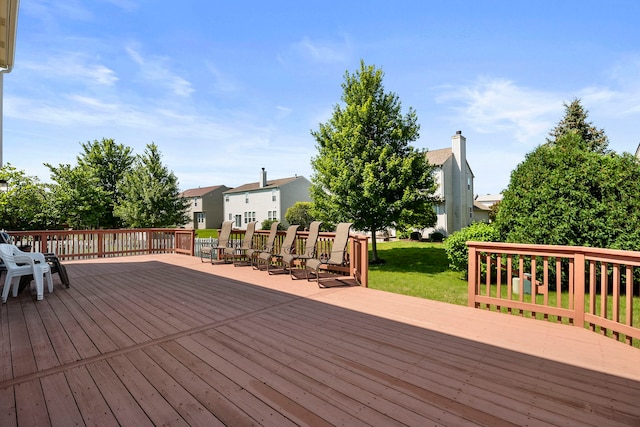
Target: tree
150,196
575,120
77,199
567,194
300,213
365,171
24,205
109,163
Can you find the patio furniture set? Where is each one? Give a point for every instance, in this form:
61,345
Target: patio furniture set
266,257
21,268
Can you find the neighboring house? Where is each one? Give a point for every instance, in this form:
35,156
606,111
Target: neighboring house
481,212
206,206
454,177
482,206
264,199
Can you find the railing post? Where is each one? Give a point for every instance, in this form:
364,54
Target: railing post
100,244
472,268
579,290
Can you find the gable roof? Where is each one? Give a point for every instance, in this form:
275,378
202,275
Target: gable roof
438,157
200,191
253,186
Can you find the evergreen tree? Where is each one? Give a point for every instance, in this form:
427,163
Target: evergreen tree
575,120
150,196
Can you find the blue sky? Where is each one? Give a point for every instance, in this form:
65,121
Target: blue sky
226,88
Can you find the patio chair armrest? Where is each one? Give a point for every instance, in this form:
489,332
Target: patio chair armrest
23,259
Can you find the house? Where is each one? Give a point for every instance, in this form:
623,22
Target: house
454,177
258,201
482,206
206,207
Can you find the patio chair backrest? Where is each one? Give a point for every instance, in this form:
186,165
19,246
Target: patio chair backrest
225,233
312,239
247,243
271,240
339,246
289,240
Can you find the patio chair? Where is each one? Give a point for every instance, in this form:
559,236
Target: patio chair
19,264
223,243
337,257
244,253
288,246
269,246
309,249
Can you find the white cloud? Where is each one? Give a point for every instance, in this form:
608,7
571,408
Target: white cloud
155,69
325,52
499,105
72,66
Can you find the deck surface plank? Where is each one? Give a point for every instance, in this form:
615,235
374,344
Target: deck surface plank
169,340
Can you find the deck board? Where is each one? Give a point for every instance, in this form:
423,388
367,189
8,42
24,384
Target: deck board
168,340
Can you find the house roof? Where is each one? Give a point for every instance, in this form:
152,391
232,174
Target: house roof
479,206
252,186
438,157
200,191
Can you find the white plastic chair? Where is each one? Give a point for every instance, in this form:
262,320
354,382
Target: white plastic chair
19,264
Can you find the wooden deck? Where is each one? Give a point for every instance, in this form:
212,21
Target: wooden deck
168,340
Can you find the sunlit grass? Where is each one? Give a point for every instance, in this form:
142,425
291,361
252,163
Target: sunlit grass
418,269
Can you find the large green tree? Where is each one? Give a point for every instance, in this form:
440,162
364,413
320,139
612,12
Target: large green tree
109,163
150,194
366,171
76,197
567,194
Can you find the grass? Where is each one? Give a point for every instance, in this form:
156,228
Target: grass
206,233
418,269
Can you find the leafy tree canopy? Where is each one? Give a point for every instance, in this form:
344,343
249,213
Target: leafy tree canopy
300,213
365,171
76,197
24,205
567,194
109,163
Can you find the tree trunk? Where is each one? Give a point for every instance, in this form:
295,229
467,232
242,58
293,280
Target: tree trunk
374,247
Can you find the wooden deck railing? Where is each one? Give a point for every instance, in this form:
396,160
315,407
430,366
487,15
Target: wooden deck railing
83,244
586,287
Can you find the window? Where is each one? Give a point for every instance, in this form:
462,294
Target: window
226,199
470,212
273,195
201,217
195,201
271,215
249,217
246,197
230,217
468,183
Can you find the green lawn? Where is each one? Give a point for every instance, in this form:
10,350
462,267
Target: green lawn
419,269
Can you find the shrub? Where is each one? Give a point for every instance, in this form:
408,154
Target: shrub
456,244
266,224
436,237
